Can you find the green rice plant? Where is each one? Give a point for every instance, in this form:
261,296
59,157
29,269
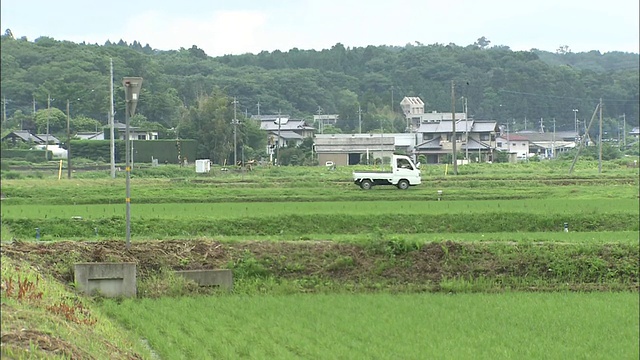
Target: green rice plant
327,326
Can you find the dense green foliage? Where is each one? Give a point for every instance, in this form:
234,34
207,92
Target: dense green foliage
497,82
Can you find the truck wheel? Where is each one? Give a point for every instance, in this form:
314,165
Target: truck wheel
403,184
365,184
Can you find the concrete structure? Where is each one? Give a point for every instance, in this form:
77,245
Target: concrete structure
107,279
352,149
219,277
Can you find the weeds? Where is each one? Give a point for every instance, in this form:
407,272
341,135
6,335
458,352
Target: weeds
76,312
27,290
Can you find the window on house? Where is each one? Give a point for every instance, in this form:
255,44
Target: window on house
142,137
524,144
427,136
513,144
499,144
485,137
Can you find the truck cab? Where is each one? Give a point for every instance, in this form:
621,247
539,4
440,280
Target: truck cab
404,173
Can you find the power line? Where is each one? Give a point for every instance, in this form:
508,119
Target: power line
563,97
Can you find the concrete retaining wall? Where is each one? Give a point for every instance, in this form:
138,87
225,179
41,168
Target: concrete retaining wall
220,277
107,279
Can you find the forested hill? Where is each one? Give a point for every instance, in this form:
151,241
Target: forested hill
498,83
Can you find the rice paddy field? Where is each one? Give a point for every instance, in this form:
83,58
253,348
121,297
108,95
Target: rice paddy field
508,261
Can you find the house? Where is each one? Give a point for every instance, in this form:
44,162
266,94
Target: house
282,131
21,136
24,136
474,138
275,123
135,133
514,144
90,135
413,109
549,144
635,132
353,149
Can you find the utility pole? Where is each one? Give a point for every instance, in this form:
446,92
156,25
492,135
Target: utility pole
258,107
68,143
381,145
112,141
466,127
508,141
525,123
33,113
48,114
575,120
320,121
453,124
600,140
392,99
359,120
235,130
4,109
586,132
624,130
278,142
553,141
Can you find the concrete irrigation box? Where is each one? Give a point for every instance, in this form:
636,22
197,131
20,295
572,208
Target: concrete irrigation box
108,279
219,277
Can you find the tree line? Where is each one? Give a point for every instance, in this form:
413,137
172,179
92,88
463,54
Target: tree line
188,94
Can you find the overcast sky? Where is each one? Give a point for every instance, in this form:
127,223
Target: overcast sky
222,27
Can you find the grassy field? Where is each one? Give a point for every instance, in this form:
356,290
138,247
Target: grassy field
323,269
253,209
383,326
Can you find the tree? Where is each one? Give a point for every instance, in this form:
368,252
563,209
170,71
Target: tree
482,42
56,119
209,122
83,123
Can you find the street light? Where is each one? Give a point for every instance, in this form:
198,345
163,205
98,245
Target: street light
575,120
132,87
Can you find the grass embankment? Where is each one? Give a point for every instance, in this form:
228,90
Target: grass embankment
383,265
384,326
41,318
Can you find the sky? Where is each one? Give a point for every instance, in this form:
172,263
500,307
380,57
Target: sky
221,27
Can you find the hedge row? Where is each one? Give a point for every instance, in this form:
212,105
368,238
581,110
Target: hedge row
143,150
27,155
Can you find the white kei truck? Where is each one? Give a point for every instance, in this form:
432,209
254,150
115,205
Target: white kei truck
404,173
